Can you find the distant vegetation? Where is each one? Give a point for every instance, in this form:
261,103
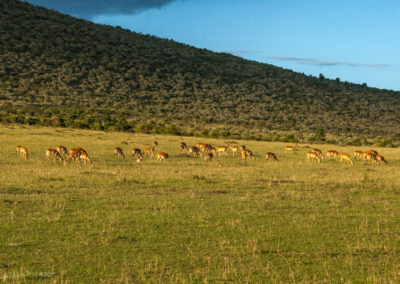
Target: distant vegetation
56,70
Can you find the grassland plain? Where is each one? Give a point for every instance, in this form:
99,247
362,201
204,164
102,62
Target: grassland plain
185,221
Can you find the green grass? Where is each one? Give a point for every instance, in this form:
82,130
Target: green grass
185,221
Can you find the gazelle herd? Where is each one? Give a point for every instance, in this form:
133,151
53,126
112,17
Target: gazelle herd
207,152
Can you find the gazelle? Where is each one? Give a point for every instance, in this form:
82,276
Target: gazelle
373,152
136,151
62,150
85,157
318,152
380,159
194,150
118,152
22,152
345,157
161,156
149,150
369,157
209,149
244,156
313,156
358,155
221,149
77,154
249,153
270,155
155,144
332,154
208,157
290,148
53,153
201,145
183,146
234,149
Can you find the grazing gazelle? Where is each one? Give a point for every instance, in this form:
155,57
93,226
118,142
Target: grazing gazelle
183,146
118,152
161,156
318,152
369,157
345,157
62,150
149,150
270,155
194,150
22,152
85,157
136,151
358,155
380,159
249,153
208,157
53,153
313,156
78,154
332,154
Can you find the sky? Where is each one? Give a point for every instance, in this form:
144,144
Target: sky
355,40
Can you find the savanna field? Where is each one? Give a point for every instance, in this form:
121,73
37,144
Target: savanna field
187,221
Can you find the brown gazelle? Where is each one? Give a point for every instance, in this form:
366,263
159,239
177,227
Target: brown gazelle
149,150
53,153
313,156
155,144
85,157
270,155
380,159
234,149
290,148
344,157
22,152
249,153
62,150
318,152
208,157
136,151
221,150
358,155
244,156
119,153
78,154
161,156
183,146
194,150
369,157
201,145
332,154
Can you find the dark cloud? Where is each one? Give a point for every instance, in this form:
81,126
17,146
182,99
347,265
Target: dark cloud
317,62
90,8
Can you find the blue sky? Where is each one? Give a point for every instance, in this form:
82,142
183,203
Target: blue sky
356,41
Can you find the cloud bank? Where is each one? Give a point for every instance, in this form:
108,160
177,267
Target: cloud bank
317,62
91,8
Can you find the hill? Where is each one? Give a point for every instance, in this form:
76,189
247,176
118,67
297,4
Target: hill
57,70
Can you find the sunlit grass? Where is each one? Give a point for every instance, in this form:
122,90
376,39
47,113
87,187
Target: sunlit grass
186,221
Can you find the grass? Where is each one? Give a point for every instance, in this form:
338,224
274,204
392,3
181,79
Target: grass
185,221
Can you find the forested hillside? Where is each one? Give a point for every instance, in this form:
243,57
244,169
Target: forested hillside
61,71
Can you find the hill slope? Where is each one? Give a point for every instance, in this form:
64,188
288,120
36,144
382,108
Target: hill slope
62,71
